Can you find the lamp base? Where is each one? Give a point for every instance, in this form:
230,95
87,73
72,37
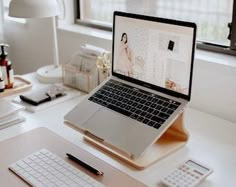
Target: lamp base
50,74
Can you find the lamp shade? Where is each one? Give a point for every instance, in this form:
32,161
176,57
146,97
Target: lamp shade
33,8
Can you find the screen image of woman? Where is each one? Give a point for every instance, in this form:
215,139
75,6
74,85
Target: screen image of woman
124,61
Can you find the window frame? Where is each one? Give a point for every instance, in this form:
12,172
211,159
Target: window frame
231,49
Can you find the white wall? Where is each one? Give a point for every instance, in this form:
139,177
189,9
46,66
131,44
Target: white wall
214,89
30,44
1,21
214,85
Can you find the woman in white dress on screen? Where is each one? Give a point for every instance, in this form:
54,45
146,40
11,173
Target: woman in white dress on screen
124,64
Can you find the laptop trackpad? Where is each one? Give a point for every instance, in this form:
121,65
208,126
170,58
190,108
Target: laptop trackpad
121,131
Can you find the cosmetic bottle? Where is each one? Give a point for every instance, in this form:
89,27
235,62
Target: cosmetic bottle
7,71
2,83
10,76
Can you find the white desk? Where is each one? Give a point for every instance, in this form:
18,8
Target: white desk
212,141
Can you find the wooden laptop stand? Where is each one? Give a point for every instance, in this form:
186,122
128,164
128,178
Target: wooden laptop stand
173,139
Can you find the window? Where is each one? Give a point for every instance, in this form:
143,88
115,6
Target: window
211,16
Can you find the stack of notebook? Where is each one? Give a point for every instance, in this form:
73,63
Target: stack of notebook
9,114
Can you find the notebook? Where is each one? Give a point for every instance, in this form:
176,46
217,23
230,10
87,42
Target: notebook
149,86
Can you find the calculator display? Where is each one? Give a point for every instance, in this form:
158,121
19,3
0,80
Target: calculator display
197,166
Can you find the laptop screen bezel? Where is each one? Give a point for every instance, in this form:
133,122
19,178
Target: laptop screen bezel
145,84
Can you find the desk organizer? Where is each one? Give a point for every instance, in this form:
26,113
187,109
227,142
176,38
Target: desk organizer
173,139
20,85
81,73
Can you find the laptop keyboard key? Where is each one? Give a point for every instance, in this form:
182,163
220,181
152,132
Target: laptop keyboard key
153,105
134,116
146,121
143,113
151,123
173,107
158,120
159,107
120,110
164,109
148,116
170,111
140,118
157,126
128,107
155,112
163,115
138,111
145,108
132,109
150,110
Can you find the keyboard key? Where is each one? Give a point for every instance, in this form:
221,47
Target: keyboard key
164,109
157,126
134,116
143,113
160,102
165,104
142,101
138,111
173,107
163,115
146,121
128,107
153,105
130,102
133,109
150,110
155,112
140,118
145,108
120,110
148,103
149,98
151,123
148,116
123,106
159,107
170,111
158,120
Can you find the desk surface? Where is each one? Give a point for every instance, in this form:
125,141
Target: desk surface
212,141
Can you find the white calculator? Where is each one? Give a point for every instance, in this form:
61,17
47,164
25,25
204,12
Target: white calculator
188,174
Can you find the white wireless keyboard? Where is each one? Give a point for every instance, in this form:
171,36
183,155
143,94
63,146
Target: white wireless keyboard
44,168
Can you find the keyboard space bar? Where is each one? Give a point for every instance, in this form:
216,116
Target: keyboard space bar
119,110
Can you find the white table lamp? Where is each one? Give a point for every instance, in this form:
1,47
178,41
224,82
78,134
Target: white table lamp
41,9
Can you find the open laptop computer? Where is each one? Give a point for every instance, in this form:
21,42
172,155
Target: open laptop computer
150,85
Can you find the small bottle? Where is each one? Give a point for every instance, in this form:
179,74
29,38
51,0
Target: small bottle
10,76
7,71
2,83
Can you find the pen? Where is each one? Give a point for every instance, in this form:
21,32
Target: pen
86,166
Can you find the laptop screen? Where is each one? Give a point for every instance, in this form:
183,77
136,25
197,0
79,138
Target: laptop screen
155,51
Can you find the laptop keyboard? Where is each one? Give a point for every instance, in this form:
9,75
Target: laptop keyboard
143,106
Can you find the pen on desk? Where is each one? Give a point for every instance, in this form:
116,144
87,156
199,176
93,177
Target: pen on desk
86,166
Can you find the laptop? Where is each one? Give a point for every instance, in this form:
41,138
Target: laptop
149,86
